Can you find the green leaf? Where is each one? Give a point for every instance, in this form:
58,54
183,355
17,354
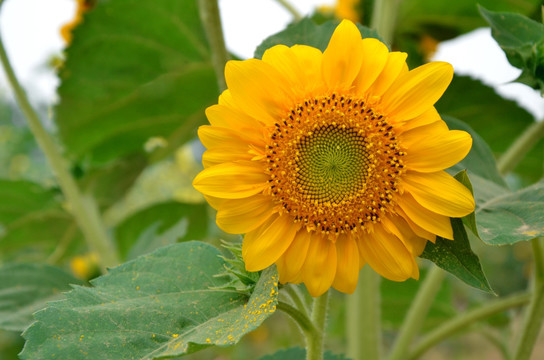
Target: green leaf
134,70
470,219
457,258
161,305
26,288
397,298
506,217
480,160
522,39
424,21
297,353
161,224
479,106
306,32
32,220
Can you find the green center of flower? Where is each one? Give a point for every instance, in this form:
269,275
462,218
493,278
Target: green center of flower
334,164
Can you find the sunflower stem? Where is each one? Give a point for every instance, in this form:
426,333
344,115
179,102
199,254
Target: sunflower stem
302,320
314,342
82,206
292,10
463,320
534,314
364,318
384,18
520,147
294,293
417,312
211,20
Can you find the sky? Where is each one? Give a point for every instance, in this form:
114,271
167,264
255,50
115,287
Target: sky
30,29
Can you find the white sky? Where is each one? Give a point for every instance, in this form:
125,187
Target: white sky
30,29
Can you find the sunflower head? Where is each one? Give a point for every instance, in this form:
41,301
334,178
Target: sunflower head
331,160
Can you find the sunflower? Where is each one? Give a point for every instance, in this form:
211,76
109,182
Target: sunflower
331,160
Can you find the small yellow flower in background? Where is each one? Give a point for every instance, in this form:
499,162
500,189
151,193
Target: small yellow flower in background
82,7
330,161
345,9
85,266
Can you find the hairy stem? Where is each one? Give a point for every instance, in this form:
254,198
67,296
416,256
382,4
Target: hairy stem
534,314
364,319
211,20
83,208
463,320
299,317
298,299
314,342
520,147
417,312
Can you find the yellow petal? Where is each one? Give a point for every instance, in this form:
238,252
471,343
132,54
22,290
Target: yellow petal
263,246
319,268
232,180
440,193
239,216
431,116
375,56
387,255
399,227
426,219
416,91
259,89
294,257
343,57
219,155
347,266
231,118
418,230
214,136
432,151
394,67
299,65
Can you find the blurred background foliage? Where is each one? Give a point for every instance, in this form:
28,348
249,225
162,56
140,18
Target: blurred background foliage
135,80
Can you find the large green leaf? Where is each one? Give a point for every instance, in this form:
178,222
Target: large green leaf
26,288
307,32
32,220
135,70
498,121
480,159
506,217
442,20
159,225
164,304
522,39
457,258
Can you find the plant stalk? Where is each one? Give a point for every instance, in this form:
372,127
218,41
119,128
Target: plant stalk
314,342
292,10
417,312
83,208
364,318
534,315
521,146
384,18
211,20
299,317
463,320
